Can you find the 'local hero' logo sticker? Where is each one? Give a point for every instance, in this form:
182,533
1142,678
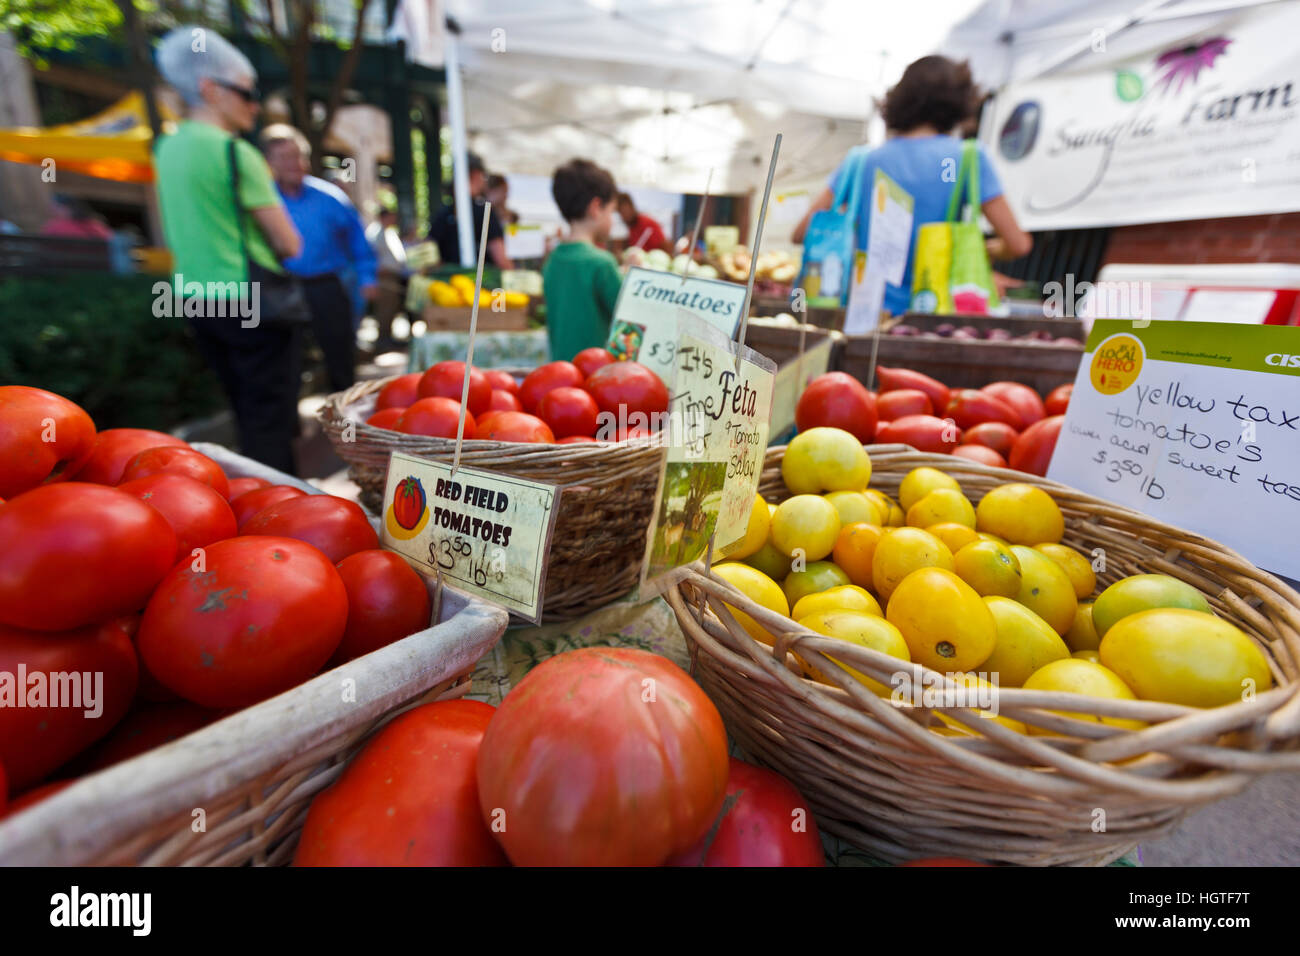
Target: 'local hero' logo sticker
1117,363
408,514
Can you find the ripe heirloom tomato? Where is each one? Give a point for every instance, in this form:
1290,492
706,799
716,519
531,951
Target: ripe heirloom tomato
503,401
400,392
387,418
905,401
43,438
1033,449
892,379
336,526
241,486
569,411
759,827
1022,399
981,453
74,554
180,461
37,738
197,514
409,798
251,502
1058,399
996,435
969,407
264,615
588,360
447,380
922,432
387,600
624,389
114,447
148,727
546,377
516,426
436,417
603,756
501,381
837,400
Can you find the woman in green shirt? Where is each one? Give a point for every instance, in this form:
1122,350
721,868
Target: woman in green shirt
208,234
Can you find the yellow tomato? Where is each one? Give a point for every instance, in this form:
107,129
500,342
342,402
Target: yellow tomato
919,482
939,506
988,567
807,524
1020,513
854,550
825,459
816,577
1076,567
845,597
1082,636
758,587
985,536
864,629
770,561
1076,676
1025,643
1045,589
1185,657
882,500
900,552
955,536
855,506
896,518
1143,592
945,623
756,532
1087,656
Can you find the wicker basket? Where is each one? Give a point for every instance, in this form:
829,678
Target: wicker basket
877,776
252,774
603,514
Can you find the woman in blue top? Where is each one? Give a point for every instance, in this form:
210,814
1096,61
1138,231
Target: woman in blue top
934,96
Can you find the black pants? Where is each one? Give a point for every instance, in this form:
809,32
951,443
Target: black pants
258,368
331,324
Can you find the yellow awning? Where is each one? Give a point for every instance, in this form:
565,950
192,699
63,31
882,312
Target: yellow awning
113,144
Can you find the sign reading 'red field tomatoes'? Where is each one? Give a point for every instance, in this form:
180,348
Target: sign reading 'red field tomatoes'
486,533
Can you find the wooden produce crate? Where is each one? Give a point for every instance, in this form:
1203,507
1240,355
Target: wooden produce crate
1072,328
780,343
826,318
442,319
966,363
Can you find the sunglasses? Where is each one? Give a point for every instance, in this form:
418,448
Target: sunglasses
248,95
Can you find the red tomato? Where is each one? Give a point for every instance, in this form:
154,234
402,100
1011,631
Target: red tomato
115,447
263,616
969,407
588,360
409,798
980,453
603,756
242,486
942,861
546,377
629,392
387,418
503,401
408,503
516,426
74,554
43,438
47,731
1022,399
387,600
892,379
922,432
336,526
447,380
178,461
1033,449
1058,399
401,392
501,381
569,411
996,435
837,400
575,440
197,514
436,417
146,728
250,503
765,822
35,795
905,401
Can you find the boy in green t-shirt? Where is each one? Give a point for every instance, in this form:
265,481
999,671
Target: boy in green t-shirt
581,282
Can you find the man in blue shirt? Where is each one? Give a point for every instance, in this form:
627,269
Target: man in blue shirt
333,244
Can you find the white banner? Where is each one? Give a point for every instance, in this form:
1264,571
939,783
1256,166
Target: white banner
1199,127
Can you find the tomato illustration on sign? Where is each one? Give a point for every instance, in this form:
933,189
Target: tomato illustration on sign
408,514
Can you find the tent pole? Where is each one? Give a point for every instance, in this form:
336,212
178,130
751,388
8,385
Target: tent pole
459,150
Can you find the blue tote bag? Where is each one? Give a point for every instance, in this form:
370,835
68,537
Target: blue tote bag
831,240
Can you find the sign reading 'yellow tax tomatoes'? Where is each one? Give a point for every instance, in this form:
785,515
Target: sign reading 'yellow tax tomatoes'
486,533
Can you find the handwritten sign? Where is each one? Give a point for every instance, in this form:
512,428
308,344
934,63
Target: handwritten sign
719,423
889,241
792,378
644,328
1196,424
486,533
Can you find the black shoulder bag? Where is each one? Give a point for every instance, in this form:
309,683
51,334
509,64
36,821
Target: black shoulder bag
281,300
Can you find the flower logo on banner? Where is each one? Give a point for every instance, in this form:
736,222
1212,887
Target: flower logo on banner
1185,64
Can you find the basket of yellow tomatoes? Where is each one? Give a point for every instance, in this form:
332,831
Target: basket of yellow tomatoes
950,658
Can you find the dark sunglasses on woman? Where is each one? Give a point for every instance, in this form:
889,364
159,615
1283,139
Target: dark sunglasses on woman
247,94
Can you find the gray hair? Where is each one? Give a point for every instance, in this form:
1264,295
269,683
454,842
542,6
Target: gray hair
189,54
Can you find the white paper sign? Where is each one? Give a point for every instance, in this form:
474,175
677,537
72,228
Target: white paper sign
644,328
888,243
